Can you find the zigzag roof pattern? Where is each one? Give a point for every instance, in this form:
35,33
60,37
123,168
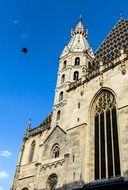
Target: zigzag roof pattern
116,40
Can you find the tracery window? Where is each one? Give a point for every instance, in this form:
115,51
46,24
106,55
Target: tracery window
76,75
52,182
61,96
63,79
32,150
107,158
58,115
77,61
55,151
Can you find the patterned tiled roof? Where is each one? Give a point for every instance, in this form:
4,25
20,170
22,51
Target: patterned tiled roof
108,51
116,40
105,181
110,183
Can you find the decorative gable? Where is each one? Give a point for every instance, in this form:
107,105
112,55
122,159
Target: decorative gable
56,133
56,137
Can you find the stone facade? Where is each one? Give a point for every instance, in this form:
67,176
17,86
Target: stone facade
64,152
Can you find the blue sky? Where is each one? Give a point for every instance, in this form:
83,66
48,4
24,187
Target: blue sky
27,82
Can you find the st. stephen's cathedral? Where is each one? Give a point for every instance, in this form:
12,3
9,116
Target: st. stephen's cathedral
83,142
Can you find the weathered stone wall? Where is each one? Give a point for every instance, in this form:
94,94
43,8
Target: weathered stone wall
75,164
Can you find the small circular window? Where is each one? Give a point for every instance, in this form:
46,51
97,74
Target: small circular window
52,182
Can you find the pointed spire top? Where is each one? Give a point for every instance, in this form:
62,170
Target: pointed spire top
80,23
121,14
78,41
80,18
79,29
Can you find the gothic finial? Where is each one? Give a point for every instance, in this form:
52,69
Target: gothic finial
71,32
80,18
29,125
121,14
121,51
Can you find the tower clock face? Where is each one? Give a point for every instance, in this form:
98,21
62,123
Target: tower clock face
78,46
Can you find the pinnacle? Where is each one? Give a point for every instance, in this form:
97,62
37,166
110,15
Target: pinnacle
79,29
80,23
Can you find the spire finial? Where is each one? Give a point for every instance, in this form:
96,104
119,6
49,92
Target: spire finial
79,29
121,14
80,18
29,125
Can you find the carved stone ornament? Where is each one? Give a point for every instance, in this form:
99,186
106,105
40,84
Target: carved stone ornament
52,164
123,68
84,71
101,79
105,101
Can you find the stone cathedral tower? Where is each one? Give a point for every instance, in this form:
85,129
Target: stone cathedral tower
73,64
83,143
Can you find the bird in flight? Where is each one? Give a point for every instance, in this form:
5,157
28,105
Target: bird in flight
24,50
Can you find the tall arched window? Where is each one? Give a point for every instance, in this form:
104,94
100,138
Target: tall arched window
51,182
107,158
58,115
89,65
64,64
61,96
63,79
55,151
76,75
77,61
32,150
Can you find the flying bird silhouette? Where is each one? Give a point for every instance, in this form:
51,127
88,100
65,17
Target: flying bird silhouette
24,50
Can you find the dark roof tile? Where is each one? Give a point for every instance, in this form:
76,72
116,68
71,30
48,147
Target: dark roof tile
117,39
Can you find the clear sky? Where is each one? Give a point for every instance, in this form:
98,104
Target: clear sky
27,82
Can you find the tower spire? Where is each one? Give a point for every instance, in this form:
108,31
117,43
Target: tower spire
79,29
78,41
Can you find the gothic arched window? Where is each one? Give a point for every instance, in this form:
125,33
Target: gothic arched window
77,61
107,158
89,65
63,79
32,150
61,96
64,64
25,188
52,182
76,75
55,151
58,115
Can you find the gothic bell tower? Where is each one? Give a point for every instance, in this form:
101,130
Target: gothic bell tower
75,57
